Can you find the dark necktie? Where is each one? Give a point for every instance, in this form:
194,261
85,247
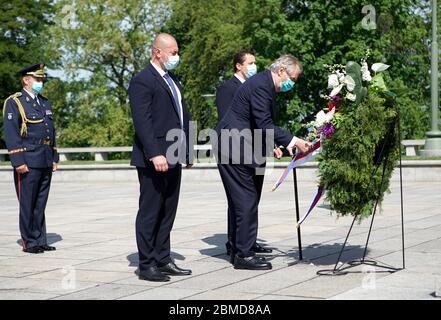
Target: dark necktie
175,95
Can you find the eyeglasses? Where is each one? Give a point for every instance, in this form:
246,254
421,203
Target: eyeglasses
292,78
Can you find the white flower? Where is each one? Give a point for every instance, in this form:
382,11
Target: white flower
330,115
320,119
365,72
351,96
336,90
341,76
350,83
378,67
333,81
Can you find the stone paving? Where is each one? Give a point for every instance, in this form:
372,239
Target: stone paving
92,226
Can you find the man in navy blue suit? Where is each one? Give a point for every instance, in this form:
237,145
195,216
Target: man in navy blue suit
244,131
160,147
244,63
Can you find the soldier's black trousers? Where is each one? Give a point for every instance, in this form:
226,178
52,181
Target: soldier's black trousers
158,202
33,191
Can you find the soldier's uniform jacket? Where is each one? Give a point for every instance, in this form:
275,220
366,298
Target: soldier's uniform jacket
29,131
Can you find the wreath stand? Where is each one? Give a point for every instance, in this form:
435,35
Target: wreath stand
296,197
342,269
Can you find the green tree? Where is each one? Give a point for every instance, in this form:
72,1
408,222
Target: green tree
100,46
106,38
208,33
21,24
318,33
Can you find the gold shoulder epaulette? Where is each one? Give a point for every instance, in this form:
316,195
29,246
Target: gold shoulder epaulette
25,121
15,95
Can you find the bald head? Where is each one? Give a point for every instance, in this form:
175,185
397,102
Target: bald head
164,40
164,46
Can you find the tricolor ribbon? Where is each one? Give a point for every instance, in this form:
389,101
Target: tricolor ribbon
319,194
299,159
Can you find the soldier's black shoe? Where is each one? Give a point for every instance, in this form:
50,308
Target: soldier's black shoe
36,249
48,248
172,269
153,274
258,248
251,263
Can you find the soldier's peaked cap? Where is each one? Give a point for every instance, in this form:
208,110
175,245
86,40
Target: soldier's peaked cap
37,70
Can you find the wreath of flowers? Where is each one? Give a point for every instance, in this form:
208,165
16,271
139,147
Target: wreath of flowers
358,137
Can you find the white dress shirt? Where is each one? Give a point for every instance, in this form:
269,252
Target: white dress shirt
163,73
242,80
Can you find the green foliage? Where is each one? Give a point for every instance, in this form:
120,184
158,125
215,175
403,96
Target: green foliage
102,45
318,33
94,118
209,34
350,167
110,39
21,23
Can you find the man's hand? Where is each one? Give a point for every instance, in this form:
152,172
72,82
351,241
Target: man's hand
303,146
160,163
22,169
54,166
278,153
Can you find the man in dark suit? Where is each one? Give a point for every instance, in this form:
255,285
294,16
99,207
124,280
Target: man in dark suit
244,63
30,139
252,112
161,122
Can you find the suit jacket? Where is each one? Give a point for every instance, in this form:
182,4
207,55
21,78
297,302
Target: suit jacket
36,146
253,107
154,114
225,94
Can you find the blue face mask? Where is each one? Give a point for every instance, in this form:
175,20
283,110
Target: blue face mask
251,71
287,85
37,87
172,62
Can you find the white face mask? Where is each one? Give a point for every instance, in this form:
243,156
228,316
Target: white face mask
251,70
172,62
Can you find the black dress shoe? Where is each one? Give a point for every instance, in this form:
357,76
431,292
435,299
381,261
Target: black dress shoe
36,249
257,248
153,274
48,248
172,269
251,263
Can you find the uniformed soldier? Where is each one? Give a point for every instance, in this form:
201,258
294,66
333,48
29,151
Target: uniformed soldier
30,139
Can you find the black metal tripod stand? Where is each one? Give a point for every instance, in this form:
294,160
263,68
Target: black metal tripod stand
341,270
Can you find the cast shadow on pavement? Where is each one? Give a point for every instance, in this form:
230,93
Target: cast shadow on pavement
51,239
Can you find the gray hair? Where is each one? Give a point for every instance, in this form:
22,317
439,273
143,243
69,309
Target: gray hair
287,61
